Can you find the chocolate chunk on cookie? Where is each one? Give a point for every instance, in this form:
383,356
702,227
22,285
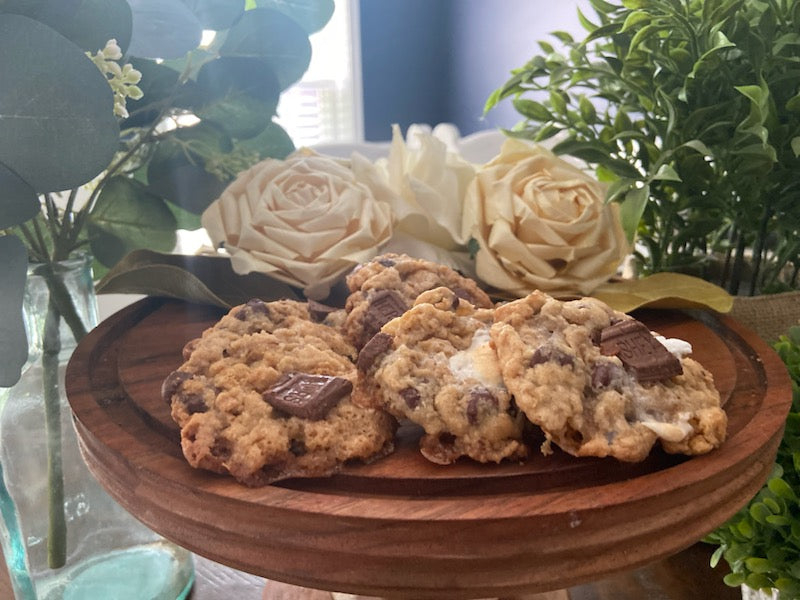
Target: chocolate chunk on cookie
307,396
266,395
641,353
599,383
387,286
435,366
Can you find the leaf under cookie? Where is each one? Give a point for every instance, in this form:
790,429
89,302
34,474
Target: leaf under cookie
202,279
664,290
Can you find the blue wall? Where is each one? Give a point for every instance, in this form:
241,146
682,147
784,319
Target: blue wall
432,61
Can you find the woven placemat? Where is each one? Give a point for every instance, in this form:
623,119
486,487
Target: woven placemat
769,315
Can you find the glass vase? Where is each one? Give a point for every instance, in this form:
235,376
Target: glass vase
63,536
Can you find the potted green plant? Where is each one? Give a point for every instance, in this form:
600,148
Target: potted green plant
760,543
690,111
120,121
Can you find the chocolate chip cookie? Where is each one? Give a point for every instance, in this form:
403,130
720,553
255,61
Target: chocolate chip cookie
599,383
264,395
387,286
435,366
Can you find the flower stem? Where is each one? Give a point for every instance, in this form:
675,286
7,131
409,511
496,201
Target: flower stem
57,529
59,304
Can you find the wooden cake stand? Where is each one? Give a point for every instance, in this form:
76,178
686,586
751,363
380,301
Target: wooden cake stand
406,528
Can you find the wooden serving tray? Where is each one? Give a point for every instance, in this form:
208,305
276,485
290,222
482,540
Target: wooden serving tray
406,528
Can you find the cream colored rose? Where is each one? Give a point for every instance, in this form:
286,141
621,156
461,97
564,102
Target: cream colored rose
430,181
304,220
542,223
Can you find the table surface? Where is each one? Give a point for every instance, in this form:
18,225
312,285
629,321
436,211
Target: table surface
684,576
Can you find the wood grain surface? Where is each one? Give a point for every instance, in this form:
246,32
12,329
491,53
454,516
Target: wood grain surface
403,527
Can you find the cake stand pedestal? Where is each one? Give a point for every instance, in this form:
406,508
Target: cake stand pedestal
402,527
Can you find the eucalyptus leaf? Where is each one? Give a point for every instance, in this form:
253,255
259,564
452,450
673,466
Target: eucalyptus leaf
216,14
241,95
163,29
18,201
203,279
159,85
93,23
311,15
272,37
177,168
127,216
13,340
53,101
272,142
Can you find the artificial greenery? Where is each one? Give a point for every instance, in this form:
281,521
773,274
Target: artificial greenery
126,95
157,149
761,543
690,110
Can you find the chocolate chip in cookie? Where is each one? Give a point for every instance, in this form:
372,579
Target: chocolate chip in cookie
379,344
307,396
172,383
384,306
642,354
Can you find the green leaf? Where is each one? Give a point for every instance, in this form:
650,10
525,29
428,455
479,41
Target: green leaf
273,142
796,145
664,290
311,15
183,218
698,146
758,581
216,14
591,152
532,109
667,173
241,94
159,85
127,217
92,24
273,37
204,279
163,29
759,512
588,112
632,208
635,18
558,100
13,341
18,201
176,170
758,565
782,489
53,100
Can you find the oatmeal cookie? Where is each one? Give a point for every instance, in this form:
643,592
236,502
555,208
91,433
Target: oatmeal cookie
264,395
435,366
599,383
387,286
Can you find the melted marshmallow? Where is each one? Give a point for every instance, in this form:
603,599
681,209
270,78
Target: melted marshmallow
478,361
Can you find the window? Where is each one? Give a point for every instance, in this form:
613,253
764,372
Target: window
325,105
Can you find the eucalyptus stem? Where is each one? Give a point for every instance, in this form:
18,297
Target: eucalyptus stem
57,526
59,304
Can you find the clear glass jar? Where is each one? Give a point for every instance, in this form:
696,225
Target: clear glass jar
63,536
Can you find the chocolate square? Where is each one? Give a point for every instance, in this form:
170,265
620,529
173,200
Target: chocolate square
640,352
307,396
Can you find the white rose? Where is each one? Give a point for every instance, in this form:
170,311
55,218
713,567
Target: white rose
430,182
542,223
304,220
